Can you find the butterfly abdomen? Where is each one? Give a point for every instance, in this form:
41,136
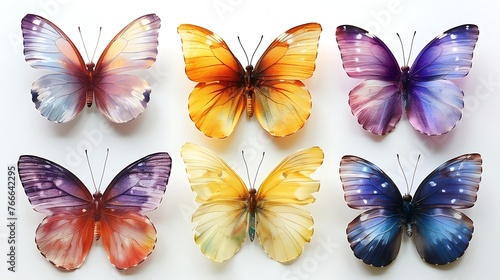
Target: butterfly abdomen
252,206
89,94
249,89
408,214
97,215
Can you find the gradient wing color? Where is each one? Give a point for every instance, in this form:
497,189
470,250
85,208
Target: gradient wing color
60,96
127,235
377,102
122,97
222,218
216,103
442,234
65,236
283,226
375,235
282,103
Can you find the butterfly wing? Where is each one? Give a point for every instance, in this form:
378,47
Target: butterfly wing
376,102
222,218
122,97
65,236
62,95
216,103
128,236
435,104
282,225
282,103
375,235
441,233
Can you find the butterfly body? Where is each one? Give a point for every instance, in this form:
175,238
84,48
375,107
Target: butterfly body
440,232
433,103
75,217
62,94
273,213
271,90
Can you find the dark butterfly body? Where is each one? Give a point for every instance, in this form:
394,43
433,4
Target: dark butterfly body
75,217
440,232
432,102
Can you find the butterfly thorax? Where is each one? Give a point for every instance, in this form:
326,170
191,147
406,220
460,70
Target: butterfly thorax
90,74
408,214
97,214
249,89
252,207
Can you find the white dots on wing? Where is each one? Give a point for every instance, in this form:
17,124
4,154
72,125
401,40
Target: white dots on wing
432,184
453,201
457,215
359,36
365,201
453,36
289,41
384,185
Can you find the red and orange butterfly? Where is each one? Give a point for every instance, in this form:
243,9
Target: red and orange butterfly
271,90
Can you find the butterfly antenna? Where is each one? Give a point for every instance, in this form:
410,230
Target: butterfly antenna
414,171
408,188
251,59
90,168
403,50
86,53
258,168
246,166
409,55
248,61
104,167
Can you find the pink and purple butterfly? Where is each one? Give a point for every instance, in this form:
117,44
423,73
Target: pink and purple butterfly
75,217
441,233
432,102
60,96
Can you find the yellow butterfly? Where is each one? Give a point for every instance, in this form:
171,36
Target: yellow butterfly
229,209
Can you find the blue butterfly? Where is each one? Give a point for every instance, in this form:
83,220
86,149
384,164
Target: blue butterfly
432,102
440,232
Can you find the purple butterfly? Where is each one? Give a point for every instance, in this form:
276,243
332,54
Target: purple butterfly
432,103
60,96
441,233
75,217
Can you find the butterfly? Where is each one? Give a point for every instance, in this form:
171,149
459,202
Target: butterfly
75,217
441,233
431,101
274,212
61,95
271,90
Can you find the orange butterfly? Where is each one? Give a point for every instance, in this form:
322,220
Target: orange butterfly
271,90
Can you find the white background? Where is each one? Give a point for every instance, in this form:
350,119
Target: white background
165,126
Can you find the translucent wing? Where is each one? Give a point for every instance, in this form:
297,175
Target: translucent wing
208,58
140,186
282,103
365,56
291,56
127,237
222,218
448,56
60,96
441,234
283,226
375,236
216,103
453,184
366,186
376,103
122,97
65,236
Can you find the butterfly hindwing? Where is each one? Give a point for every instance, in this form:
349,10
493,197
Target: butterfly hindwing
275,95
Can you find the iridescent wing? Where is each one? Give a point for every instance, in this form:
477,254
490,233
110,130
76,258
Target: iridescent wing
127,235
442,234
121,97
435,104
377,102
222,218
375,235
282,225
65,236
62,95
